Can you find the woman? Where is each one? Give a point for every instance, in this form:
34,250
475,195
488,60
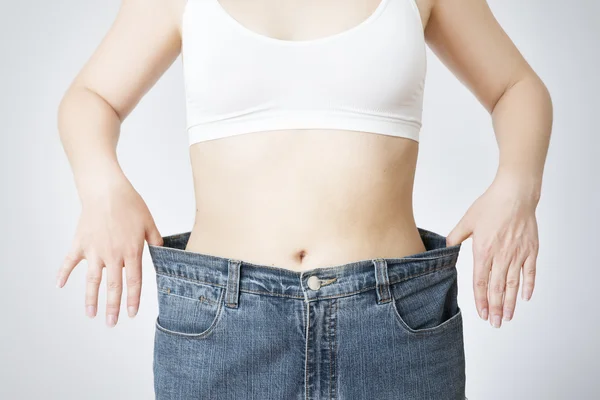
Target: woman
305,275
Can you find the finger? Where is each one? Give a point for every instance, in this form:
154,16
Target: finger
512,288
93,278
481,276
71,260
133,274
114,288
153,236
529,272
461,231
496,289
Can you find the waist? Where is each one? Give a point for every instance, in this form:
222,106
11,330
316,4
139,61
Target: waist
280,246
173,261
305,199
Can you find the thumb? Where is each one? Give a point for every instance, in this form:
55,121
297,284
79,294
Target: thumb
153,236
460,233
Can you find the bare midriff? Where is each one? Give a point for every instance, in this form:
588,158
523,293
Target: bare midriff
304,199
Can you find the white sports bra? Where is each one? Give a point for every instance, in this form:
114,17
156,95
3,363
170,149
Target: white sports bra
367,78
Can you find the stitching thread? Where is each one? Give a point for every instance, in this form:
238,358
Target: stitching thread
302,297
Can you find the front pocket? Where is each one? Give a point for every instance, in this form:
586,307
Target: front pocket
427,303
187,308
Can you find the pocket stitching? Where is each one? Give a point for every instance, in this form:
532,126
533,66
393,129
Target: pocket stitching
202,298
200,335
192,280
426,331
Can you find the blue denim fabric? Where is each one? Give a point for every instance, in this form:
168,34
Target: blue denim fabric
384,328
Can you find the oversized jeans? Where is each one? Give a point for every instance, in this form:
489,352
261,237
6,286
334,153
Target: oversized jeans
383,328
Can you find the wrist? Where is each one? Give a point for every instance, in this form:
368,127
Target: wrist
525,186
101,183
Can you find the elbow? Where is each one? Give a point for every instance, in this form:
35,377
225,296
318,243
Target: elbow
543,96
64,106
79,96
546,93
531,85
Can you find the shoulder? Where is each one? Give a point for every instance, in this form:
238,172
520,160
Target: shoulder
176,9
171,10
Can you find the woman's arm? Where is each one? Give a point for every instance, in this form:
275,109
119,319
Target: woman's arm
468,39
142,43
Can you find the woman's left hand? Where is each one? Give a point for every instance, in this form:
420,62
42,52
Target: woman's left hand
503,225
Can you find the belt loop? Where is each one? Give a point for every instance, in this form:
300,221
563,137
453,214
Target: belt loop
382,281
233,284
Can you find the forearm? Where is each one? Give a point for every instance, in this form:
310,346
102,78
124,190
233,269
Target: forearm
89,130
522,121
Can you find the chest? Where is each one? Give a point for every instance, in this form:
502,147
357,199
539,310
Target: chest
288,51
294,20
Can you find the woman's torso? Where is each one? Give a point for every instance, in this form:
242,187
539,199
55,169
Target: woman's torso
309,198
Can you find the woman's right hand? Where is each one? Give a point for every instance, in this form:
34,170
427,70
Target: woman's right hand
142,43
111,231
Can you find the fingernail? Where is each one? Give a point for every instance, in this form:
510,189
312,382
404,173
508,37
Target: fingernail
496,321
111,320
507,315
484,314
59,283
131,311
90,311
526,296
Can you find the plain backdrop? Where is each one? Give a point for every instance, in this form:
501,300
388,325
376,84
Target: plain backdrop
49,349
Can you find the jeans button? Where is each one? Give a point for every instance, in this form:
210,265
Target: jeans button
314,283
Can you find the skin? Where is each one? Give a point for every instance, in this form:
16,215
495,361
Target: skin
327,183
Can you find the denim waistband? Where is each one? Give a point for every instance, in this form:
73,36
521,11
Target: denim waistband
335,281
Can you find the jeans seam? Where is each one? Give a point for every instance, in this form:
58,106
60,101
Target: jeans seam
365,289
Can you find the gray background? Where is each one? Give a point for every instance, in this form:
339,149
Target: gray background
51,350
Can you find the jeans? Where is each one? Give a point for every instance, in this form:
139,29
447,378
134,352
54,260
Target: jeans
383,328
